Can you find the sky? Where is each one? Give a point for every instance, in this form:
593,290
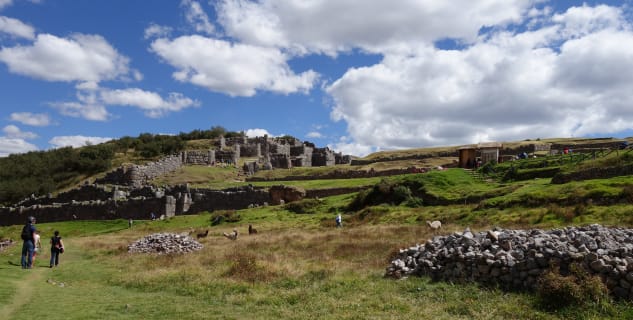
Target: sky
358,76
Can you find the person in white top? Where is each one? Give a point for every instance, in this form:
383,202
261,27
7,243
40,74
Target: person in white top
37,243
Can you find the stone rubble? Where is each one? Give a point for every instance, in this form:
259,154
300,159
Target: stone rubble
516,258
164,243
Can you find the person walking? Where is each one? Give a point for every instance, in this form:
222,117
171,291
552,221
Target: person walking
28,247
57,247
339,221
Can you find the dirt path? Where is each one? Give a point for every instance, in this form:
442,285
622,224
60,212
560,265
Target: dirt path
24,292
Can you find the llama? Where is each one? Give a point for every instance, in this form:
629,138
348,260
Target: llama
435,225
233,235
202,235
251,230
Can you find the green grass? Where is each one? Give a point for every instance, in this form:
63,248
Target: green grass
300,267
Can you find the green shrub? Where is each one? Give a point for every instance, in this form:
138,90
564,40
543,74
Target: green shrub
579,288
303,206
221,216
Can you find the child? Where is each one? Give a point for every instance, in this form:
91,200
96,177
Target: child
57,247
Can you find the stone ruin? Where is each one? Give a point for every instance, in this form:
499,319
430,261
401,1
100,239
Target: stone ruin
165,243
516,258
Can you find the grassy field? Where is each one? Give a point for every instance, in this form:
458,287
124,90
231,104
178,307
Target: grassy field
296,267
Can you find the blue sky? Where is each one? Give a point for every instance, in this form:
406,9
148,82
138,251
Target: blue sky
356,75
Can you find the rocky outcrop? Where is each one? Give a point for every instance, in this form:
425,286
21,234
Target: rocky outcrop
516,258
164,243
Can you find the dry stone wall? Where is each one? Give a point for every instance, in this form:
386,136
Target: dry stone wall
593,173
140,175
516,258
228,199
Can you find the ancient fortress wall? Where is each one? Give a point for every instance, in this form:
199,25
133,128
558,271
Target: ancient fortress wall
139,175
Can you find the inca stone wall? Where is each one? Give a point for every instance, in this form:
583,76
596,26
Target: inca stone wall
596,145
139,175
171,201
87,210
593,173
344,174
444,154
228,199
516,258
322,157
198,157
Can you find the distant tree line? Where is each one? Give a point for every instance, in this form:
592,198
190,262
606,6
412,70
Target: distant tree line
43,172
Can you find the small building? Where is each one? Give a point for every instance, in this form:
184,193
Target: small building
489,151
467,156
486,152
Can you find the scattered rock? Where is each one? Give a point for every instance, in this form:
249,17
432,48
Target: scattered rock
163,243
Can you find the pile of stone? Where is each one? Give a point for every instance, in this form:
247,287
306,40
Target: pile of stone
163,243
516,258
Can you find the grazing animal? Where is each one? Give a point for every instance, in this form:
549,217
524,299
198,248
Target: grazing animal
435,225
202,235
232,235
251,230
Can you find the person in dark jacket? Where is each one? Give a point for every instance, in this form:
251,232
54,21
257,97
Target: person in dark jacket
57,247
28,247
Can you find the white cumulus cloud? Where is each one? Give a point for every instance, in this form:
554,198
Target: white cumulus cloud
155,30
196,16
79,57
5,3
16,28
257,132
76,141
31,119
558,80
234,69
13,146
14,132
332,26
150,102
314,134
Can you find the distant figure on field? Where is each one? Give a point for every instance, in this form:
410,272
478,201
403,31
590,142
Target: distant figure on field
28,247
202,234
339,221
37,243
251,230
57,247
130,222
233,235
152,216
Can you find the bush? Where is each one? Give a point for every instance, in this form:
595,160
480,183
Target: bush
579,288
221,216
303,206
